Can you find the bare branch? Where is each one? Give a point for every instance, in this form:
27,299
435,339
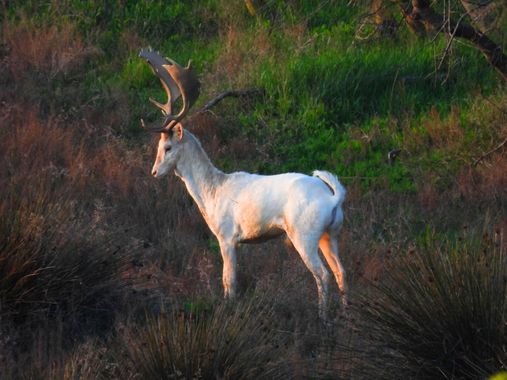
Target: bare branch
452,35
498,147
232,93
420,13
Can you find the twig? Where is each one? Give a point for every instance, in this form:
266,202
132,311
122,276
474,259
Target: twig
451,39
233,93
423,12
494,105
490,152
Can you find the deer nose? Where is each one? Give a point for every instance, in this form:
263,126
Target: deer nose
154,172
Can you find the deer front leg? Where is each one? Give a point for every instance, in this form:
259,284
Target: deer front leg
229,274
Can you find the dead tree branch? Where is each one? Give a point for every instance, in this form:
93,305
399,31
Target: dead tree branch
497,148
452,35
419,14
228,93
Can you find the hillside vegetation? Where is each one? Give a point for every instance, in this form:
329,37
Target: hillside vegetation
108,273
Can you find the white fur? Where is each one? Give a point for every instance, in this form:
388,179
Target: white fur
242,207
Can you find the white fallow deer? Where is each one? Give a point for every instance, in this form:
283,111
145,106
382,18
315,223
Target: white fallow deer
248,208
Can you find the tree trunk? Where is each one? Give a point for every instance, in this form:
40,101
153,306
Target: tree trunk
384,20
413,23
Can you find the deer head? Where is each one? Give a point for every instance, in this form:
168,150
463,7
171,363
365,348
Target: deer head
177,82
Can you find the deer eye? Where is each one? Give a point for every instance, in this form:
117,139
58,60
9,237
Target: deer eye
168,149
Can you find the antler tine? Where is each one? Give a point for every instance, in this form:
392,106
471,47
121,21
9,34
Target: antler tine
156,129
177,81
189,87
156,62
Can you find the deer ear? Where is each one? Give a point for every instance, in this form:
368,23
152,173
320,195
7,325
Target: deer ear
178,130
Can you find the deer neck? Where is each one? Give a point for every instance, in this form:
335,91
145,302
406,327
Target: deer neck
200,176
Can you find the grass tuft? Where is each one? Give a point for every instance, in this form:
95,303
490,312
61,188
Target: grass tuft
442,311
232,341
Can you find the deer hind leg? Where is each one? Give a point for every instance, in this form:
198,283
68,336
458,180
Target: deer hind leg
229,271
308,250
328,244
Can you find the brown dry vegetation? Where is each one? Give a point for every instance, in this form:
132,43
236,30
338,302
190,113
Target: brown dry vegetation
49,49
107,273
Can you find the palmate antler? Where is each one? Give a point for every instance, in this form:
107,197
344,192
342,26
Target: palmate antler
177,81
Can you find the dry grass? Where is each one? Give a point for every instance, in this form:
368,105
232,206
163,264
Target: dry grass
77,177
44,49
107,273
489,179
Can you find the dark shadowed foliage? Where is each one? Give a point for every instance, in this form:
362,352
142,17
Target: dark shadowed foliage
230,341
441,312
